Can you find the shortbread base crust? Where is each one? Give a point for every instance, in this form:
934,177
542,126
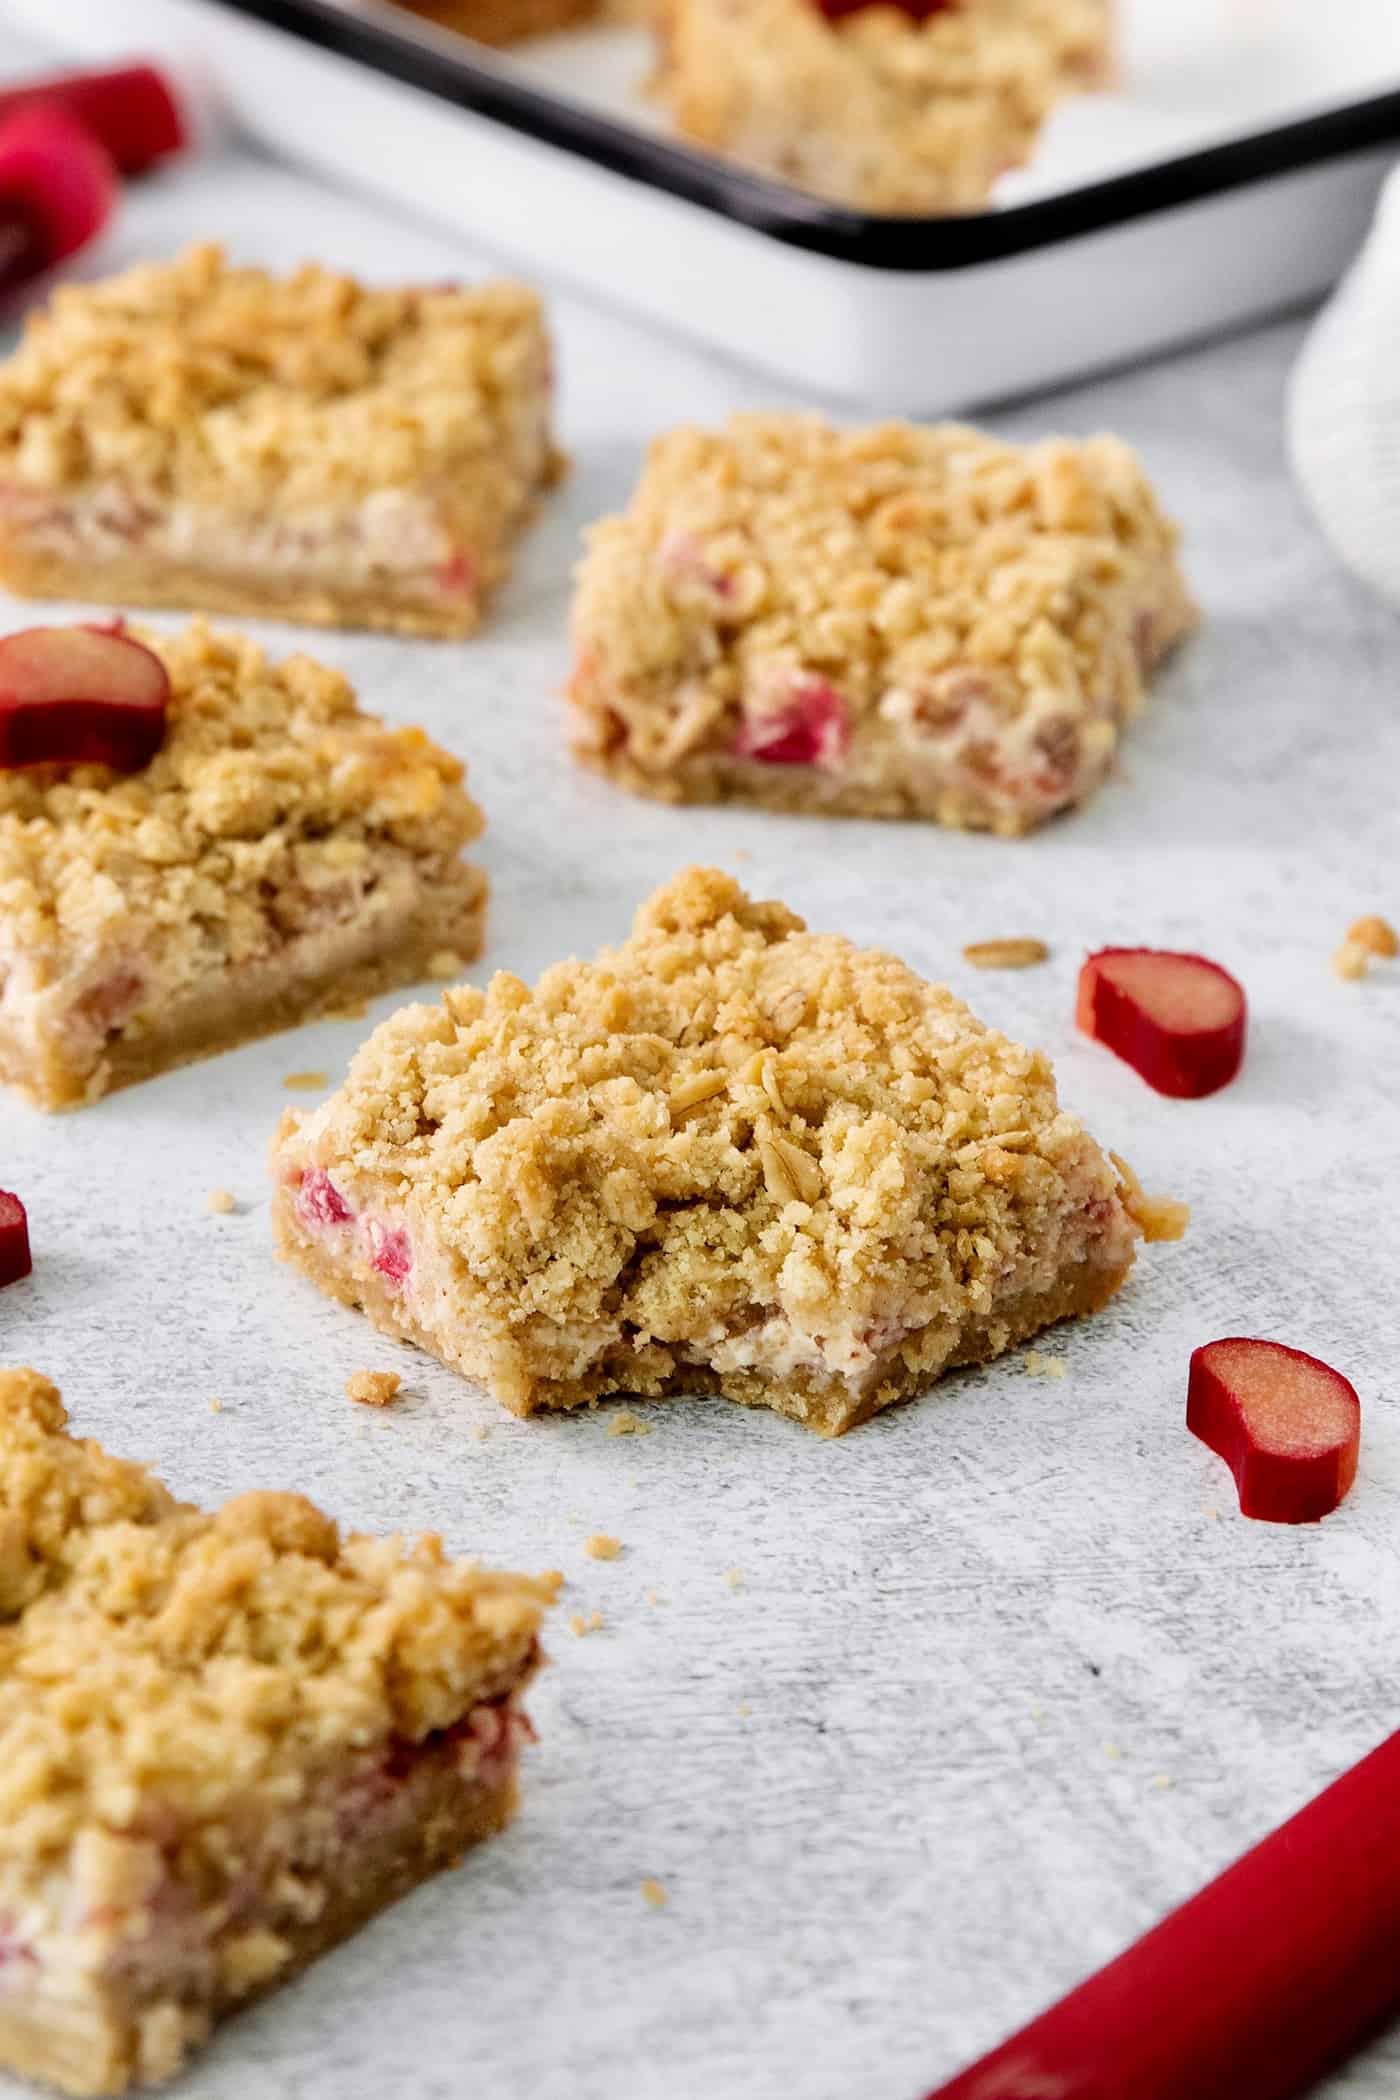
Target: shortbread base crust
107,2040
826,1405
333,968
160,585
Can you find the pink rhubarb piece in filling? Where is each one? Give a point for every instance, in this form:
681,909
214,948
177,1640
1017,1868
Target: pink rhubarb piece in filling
813,728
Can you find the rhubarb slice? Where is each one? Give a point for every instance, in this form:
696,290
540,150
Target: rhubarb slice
14,1239
131,111
1178,1020
80,696
57,190
1287,1425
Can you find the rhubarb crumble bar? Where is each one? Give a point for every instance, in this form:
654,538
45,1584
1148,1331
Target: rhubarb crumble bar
890,622
226,1742
888,109
281,853
731,1156
303,448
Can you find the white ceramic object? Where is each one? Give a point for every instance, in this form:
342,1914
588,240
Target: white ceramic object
1235,176
1344,409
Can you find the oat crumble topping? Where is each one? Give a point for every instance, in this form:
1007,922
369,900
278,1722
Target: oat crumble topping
730,1155
876,109
274,809
153,1652
281,393
900,620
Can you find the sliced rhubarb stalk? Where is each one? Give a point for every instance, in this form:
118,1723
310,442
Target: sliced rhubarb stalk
14,1239
1178,1020
1252,1989
131,111
80,696
1287,1426
57,190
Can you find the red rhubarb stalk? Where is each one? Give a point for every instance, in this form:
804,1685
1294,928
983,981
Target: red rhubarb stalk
80,696
57,190
14,1242
1287,1425
1178,1020
131,111
1251,1990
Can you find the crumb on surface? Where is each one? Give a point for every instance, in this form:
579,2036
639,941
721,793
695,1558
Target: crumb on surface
222,1202
1157,1217
743,1709
601,1545
306,1082
480,1432
580,1624
1042,1366
1005,954
1376,935
654,1894
652,1597
216,1407
628,1424
373,1388
1211,1513
1351,961
734,1577
1162,1780
445,966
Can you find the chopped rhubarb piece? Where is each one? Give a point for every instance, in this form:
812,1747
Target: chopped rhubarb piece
320,1201
131,111
14,1239
57,189
1178,1020
1287,1425
1253,1989
812,729
392,1253
80,696
460,575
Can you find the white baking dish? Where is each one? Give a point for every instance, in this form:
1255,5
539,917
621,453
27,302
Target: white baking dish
1234,174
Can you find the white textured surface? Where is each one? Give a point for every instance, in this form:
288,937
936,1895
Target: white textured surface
874,1776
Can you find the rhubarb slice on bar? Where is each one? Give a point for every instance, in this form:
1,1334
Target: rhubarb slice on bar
303,448
280,853
226,1742
731,1156
891,622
